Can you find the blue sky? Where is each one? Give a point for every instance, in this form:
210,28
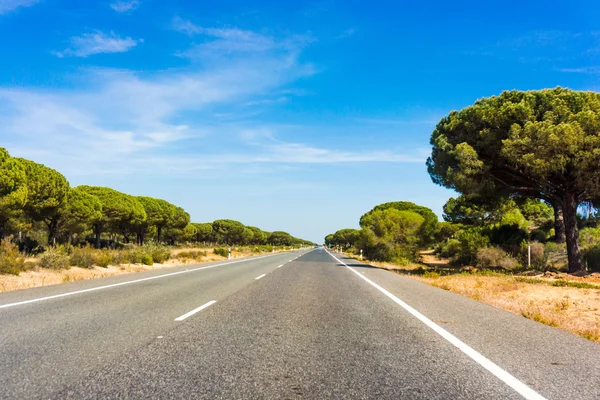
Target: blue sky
296,116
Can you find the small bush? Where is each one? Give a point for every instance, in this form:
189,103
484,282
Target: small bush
538,255
104,258
470,241
191,255
146,259
84,257
538,235
11,260
221,251
54,258
592,257
159,254
509,263
551,247
490,257
450,248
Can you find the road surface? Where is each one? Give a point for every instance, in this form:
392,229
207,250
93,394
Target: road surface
307,324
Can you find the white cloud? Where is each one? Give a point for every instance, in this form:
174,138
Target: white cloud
171,121
7,6
125,5
96,43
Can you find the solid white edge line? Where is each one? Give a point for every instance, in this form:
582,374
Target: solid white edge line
195,310
56,296
280,266
479,358
262,276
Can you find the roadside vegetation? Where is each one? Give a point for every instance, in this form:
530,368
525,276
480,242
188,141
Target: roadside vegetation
46,224
526,217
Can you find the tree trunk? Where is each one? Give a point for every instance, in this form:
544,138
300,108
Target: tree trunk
572,233
559,224
52,228
98,230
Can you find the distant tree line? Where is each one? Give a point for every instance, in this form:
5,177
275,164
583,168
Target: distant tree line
38,206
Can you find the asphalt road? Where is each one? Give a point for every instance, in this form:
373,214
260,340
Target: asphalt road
270,328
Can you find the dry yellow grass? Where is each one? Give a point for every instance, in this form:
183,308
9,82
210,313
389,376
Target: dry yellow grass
43,277
572,309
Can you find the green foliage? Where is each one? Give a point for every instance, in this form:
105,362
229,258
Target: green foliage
538,235
203,232
449,249
79,212
191,254
47,192
280,238
592,258
445,231
227,231
589,237
11,260
13,190
158,253
344,238
430,220
55,258
539,144
389,234
221,251
259,237
508,235
84,257
470,241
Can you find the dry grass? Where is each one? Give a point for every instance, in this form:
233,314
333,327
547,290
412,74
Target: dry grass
36,277
572,309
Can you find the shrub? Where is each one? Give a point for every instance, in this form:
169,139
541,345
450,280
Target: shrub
538,235
221,251
508,235
490,257
470,241
11,260
592,257
159,253
84,257
538,254
146,259
104,258
191,255
509,263
54,258
551,247
450,248
589,237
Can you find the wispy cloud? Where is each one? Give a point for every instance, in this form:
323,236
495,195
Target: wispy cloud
171,121
591,70
125,5
96,43
7,6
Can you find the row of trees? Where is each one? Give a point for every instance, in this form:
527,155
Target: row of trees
396,231
36,198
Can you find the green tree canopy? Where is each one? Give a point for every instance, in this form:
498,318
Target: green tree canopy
79,213
47,191
539,144
203,231
280,238
429,226
120,212
344,237
227,231
13,190
258,235
389,234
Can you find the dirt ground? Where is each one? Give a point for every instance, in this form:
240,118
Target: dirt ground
44,277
